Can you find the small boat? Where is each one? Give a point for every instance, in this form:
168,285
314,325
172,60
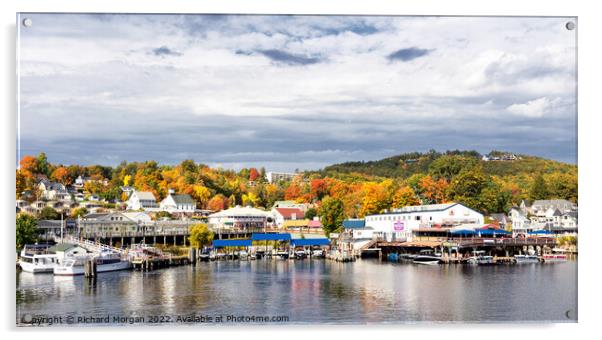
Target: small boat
252,257
519,259
554,258
282,255
406,257
37,259
427,257
220,256
393,257
300,254
319,253
212,257
479,258
105,262
204,257
243,255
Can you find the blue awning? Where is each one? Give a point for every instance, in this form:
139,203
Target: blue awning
300,242
271,237
231,243
491,232
464,232
542,231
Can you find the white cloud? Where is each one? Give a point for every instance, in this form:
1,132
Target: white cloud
535,108
75,66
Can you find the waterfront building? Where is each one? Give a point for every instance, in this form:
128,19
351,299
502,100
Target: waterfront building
182,203
521,225
275,177
398,224
562,205
281,215
240,218
142,200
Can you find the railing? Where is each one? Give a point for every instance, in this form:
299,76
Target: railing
96,246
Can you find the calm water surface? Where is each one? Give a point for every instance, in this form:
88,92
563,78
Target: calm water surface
311,291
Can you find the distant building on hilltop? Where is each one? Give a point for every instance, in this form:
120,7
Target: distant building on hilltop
275,177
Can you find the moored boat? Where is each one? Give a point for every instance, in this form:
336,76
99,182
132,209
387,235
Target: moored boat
37,259
427,257
519,259
554,258
105,262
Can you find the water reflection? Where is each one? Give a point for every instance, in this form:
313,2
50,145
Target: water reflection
315,291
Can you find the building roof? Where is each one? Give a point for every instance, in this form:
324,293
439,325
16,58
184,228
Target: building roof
314,224
354,224
183,199
289,212
500,217
423,208
241,211
145,195
62,247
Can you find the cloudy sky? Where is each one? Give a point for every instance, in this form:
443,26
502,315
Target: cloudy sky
293,92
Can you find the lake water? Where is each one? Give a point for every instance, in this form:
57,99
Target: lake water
301,292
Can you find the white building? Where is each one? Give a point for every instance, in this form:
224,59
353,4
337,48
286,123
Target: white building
520,223
178,203
275,177
291,204
239,218
53,191
398,224
142,200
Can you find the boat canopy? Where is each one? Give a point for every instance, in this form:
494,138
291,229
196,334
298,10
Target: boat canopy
300,242
271,237
231,243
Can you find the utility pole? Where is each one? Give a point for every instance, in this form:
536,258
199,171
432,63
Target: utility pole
61,228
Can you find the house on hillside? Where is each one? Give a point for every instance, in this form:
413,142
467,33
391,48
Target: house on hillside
286,214
521,225
53,190
182,203
142,200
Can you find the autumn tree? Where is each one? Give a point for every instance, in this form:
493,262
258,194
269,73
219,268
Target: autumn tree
331,214
200,235
253,174
61,175
217,203
405,196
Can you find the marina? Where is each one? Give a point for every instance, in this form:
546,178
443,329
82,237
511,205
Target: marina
314,291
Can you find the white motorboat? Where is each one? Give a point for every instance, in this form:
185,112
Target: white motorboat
519,259
37,259
479,258
427,257
105,262
243,255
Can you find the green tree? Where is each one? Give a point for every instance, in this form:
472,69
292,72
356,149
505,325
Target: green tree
43,166
332,213
539,190
27,230
467,186
200,235
311,213
448,166
48,213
